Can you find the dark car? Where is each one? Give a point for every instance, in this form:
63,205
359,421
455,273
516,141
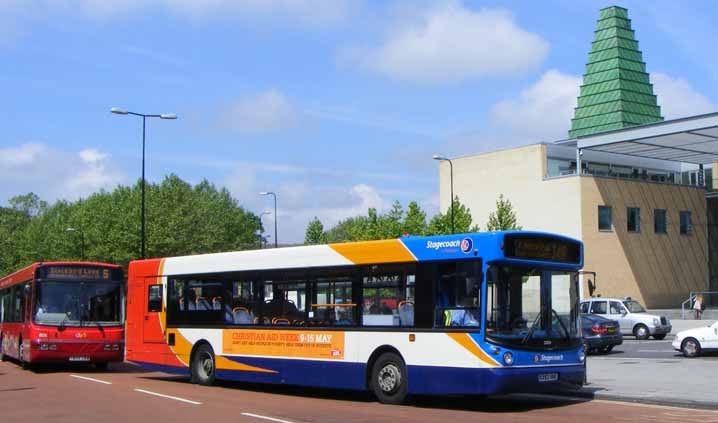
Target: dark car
600,335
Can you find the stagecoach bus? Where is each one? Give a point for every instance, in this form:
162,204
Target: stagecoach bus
478,313
62,312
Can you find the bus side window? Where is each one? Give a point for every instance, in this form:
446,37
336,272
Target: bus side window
154,298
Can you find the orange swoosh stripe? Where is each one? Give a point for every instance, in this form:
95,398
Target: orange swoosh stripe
369,252
465,341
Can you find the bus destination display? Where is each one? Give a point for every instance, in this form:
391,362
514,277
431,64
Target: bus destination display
536,247
75,272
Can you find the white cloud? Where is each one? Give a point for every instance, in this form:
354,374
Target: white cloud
264,112
542,111
678,98
450,43
55,174
16,156
299,201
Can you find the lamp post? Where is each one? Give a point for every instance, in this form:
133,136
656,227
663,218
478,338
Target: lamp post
451,176
144,117
275,214
260,221
82,241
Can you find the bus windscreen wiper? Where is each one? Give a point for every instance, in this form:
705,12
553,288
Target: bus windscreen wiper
531,329
565,329
61,326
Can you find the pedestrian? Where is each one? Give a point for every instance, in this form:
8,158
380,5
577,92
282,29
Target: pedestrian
698,306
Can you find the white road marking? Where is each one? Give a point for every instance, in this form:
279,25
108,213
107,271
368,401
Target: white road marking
91,379
168,396
663,351
271,419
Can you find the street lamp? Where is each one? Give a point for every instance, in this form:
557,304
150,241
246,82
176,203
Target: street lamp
275,213
451,175
170,116
260,221
82,241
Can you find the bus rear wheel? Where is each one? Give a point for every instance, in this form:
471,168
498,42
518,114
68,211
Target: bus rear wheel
203,367
3,357
388,379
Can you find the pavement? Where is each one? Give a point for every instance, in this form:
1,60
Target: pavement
652,372
127,393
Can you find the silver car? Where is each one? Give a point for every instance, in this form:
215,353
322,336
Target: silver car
631,315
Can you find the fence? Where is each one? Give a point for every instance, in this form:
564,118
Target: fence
709,298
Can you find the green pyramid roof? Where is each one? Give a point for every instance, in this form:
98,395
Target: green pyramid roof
616,91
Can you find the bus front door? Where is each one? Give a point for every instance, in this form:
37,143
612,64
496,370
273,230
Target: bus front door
152,325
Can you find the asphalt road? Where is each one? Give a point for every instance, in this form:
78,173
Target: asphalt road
127,393
649,349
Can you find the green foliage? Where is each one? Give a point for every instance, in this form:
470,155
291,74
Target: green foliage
396,223
315,232
504,219
180,220
440,224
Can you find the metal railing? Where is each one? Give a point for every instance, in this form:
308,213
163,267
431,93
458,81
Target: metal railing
692,298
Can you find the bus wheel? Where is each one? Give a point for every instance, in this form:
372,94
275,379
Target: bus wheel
3,357
203,365
388,379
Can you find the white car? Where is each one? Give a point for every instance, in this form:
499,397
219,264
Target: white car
693,342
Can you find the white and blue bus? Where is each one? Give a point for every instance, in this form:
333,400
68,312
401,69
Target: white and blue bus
479,313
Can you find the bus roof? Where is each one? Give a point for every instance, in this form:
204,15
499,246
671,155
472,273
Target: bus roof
486,245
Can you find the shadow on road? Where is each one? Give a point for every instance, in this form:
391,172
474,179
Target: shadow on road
45,368
497,404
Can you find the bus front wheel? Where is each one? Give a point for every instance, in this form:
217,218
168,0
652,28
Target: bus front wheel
388,379
203,365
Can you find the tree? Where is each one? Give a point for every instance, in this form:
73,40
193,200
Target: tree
504,219
181,219
440,224
315,232
415,220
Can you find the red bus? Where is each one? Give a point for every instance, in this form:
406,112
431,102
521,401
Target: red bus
63,312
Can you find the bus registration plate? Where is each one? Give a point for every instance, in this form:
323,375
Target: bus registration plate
547,377
79,358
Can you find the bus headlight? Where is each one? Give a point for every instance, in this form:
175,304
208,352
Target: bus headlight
582,355
43,347
508,358
53,347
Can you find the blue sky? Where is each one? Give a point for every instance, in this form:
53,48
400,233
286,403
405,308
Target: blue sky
336,105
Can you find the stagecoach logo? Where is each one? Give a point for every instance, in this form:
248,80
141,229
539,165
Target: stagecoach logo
466,245
547,358
81,335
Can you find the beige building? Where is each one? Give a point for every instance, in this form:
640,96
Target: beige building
643,221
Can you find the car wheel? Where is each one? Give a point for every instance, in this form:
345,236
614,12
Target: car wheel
388,379
659,337
606,350
641,332
691,347
203,366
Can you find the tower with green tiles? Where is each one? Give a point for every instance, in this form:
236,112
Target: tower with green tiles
616,91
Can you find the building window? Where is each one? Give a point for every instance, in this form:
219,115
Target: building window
686,223
634,219
605,218
659,221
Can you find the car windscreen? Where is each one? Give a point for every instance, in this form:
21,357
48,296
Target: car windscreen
634,306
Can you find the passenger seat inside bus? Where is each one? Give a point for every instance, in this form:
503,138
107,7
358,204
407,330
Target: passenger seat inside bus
242,316
406,313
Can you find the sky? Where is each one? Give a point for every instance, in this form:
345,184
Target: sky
335,105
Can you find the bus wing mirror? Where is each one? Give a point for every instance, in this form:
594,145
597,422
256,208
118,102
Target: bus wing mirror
27,289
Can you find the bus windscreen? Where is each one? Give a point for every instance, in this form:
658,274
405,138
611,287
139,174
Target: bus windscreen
542,248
